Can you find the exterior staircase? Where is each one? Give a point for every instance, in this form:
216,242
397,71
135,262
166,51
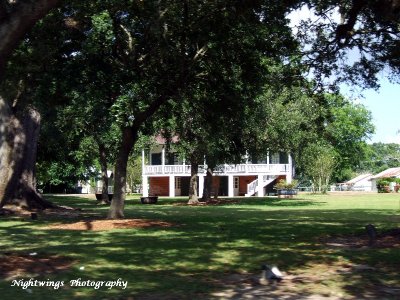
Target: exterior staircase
252,187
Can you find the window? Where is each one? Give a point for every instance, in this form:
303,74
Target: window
274,158
283,158
236,182
170,158
156,159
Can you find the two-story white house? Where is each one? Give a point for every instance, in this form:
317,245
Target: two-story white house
166,174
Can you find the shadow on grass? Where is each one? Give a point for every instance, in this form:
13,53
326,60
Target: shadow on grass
245,201
89,203
83,202
278,202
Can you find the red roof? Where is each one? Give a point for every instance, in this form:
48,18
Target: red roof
162,141
392,172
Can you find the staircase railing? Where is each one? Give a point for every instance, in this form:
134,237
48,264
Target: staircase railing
253,186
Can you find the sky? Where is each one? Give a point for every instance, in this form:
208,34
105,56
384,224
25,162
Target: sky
384,105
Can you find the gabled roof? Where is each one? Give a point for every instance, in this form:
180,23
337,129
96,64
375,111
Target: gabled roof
160,140
359,178
392,172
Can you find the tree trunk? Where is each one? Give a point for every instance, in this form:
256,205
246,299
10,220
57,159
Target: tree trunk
104,178
18,149
207,190
16,22
193,197
6,149
129,137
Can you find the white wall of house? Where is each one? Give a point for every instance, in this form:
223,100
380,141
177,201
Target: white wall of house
373,185
363,185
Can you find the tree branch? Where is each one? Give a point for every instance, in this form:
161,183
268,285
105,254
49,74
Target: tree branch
344,31
200,52
16,22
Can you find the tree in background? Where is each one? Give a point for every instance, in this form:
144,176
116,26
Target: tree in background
63,161
319,161
336,122
286,118
134,173
348,127
380,157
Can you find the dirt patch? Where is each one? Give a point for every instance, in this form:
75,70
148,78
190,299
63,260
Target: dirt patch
386,239
221,201
97,225
210,202
14,265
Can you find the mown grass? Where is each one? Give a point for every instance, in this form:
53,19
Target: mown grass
187,261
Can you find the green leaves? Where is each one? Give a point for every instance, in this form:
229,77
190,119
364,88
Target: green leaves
380,157
100,37
319,161
348,128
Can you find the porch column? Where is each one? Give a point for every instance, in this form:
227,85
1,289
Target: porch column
172,186
163,158
289,173
230,186
145,185
143,162
247,162
201,185
260,188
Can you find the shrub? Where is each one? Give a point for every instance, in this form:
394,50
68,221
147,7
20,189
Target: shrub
282,184
383,185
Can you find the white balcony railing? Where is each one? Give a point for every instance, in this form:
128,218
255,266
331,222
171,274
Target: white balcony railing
270,169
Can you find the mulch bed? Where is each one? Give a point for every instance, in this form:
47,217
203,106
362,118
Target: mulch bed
210,202
98,225
14,265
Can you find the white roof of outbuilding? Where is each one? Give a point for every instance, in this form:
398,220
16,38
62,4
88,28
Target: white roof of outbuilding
359,178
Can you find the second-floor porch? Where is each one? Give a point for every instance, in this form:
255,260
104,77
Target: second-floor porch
160,162
273,169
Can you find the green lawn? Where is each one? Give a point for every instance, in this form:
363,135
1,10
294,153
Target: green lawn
190,260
